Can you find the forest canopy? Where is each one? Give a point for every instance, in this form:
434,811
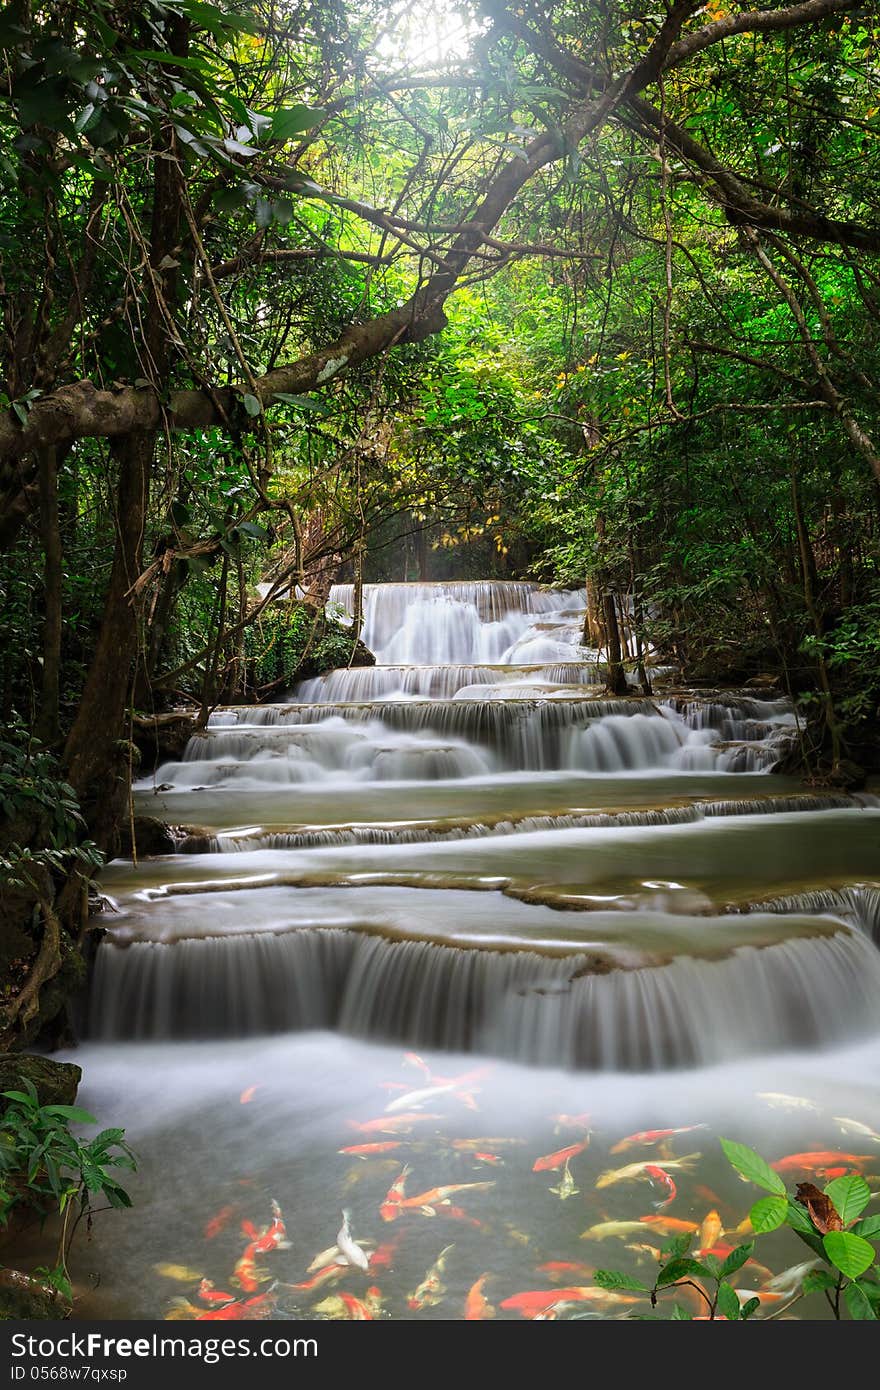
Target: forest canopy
584,291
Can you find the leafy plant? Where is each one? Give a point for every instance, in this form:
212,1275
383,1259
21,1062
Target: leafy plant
830,1222
45,1166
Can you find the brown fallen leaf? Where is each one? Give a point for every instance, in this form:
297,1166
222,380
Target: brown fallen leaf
823,1212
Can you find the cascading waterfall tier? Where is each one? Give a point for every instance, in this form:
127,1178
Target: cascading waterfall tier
344,907
520,1004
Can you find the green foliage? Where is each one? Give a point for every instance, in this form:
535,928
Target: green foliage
34,800
852,1272
286,643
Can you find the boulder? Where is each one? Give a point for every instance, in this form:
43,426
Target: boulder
56,1083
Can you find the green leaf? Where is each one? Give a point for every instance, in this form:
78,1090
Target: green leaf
252,404
737,1258
849,1253
868,1227
850,1195
680,1314
728,1303
768,1213
679,1269
250,528
818,1280
858,1303
679,1245
798,1218
750,1306
752,1166
613,1279
292,120
72,1113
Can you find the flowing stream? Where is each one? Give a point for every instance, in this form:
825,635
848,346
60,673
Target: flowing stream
458,927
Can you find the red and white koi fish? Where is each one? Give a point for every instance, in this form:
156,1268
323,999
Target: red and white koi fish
476,1306
219,1222
392,1124
262,1243
659,1175
327,1274
348,1247
382,1146
383,1256
647,1137
633,1171
390,1208
431,1290
550,1162
821,1162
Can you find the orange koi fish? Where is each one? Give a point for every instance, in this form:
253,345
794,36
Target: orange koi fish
208,1294
711,1231
431,1290
273,1238
383,1146
550,1162
668,1225
820,1162
390,1208
454,1214
476,1306
248,1094
219,1222
383,1256
328,1274
493,1159
258,1307
469,1145
440,1196
646,1137
538,1303
391,1124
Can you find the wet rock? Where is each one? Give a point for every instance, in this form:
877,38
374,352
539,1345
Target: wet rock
56,1083
847,774
162,738
151,836
23,1296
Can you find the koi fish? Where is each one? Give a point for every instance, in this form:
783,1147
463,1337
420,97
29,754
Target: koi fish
562,1269
517,1236
181,1274
780,1101
476,1306
382,1146
668,1225
538,1303
273,1238
392,1124
431,1290
258,1307
413,1099
711,1231
646,1137
788,1281
348,1248
208,1294
248,1094
550,1162
383,1256
344,1306
390,1208
565,1188
218,1223
660,1175
454,1214
440,1196
368,1169
494,1160
820,1162
633,1171
856,1127
469,1145
328,1274
606,1229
